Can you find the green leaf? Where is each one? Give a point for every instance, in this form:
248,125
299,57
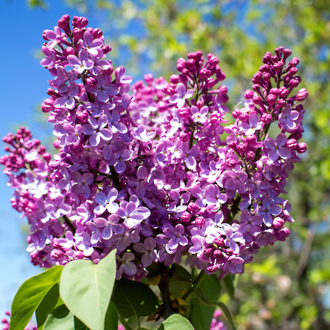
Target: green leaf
201,315
61,318
227,314
134,298
176,322
86,289
30,295
111,317
180,281
210,287
47,305
228,282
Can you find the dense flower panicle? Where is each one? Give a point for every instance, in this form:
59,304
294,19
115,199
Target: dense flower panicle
157,173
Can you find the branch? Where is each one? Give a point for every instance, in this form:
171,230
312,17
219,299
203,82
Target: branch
306,250
114,178
164,287
194,285
69,224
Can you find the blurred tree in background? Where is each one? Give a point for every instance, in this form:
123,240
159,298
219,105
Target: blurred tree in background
288,285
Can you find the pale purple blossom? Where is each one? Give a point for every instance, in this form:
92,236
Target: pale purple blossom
181,95
82,63
148,249
277,149
268,209
132,214
97,130
106,202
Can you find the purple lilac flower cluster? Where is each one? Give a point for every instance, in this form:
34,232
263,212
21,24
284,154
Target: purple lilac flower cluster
216,323
5,324
155,174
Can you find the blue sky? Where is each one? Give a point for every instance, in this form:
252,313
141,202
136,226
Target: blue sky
23,85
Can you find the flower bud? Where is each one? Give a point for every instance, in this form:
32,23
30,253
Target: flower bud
296,135
162,106
293,71
184,136
215,118
97,33
217,253
278,223
302,95
191,64
291,144
281,103
48,105
210,83
175,79
185,217
106,49
256,87
231,163
56,144
257,77
77,34
83,116
181,64
219,241
221,76
223,90
244,117
225,99
241,148
236,113
266,76
213,60
267,58
284,93
69,51
302,147
294,61
257,100
284,232
199,221
47,157
250,155
204,73
264,68
251,139
184,113
286,53
192,208
64,24
248,94
278,66
271,99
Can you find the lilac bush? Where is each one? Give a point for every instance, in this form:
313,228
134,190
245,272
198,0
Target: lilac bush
157,170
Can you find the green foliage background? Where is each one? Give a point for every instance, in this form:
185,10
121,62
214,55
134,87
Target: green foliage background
285,287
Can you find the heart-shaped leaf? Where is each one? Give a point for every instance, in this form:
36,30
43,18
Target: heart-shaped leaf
210,287
86,289
111,317
134,298
30,295
61,318
201,315
47,305
176,322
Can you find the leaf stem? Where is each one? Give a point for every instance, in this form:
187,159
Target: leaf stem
194,285
124,323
